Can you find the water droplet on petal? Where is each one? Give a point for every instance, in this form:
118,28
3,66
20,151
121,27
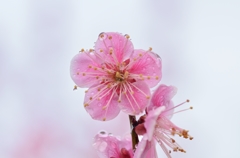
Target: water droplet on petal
103,133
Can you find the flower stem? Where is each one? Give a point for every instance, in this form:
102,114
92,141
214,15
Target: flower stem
134,135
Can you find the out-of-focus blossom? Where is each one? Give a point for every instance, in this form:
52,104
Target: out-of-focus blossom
45,141
118,75
108,146
158,125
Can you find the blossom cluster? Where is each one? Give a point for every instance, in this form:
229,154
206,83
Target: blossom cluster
120,78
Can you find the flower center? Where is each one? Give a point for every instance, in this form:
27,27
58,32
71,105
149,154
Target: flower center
121,76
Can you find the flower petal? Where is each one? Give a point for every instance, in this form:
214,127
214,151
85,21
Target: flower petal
135,98
162,97
146,149
84,70
151,121
101,102
113,47
147,66
106,145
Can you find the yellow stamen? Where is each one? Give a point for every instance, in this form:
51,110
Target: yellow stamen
75,87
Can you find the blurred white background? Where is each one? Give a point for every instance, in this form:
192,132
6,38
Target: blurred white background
198,41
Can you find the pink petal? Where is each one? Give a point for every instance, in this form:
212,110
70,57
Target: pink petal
151,121
147,66
136,98
140,148
82,69
162,97
101,103
107,146
121,47
168,113
146,149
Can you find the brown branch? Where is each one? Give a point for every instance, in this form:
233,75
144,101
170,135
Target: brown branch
134,135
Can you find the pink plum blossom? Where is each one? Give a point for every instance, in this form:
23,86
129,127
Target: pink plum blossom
45,141
118,76
108,146
158,125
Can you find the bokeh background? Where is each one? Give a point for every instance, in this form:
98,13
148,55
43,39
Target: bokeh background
42,117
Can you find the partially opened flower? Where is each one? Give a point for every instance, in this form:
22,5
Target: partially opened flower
108,146
157,123
118,76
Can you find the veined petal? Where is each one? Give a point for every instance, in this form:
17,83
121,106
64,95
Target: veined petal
113,47
147,66
151,121
101,102
84,71
162,97
135,97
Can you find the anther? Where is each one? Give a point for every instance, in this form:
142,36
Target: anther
101,50
86,104
148,97
95,68
75,87
126,74
119,101
187,100
110,37
140,54
191,107
91,50
104,119
77,73
90,66
101,35
175,149
148,77
84,74
150,48
86,91
173,141
82,50
109,85
185,133
157,77
90,98
99,89
104,107
127,36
